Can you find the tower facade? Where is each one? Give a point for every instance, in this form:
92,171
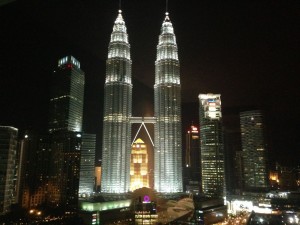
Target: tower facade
139,176
254,149
117,112
211,144
67,96
87,164
192,170
63,185
167,110
8,149
34,169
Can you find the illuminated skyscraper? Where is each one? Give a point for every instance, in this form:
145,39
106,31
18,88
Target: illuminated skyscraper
8,149
254,148
67,93
87,164
117,113
167,110
139,176
211,143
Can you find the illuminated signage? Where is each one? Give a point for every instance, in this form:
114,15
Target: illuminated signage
146,198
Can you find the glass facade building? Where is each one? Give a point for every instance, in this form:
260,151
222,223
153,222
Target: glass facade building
211,144
167,110
67,96
87,164
254,149
117,112
8,150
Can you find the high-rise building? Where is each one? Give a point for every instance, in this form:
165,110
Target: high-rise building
192,170
139,176
254,148
8,149
167,110
63,186
117,112
232,149
34,167
87,164
211,144
67,93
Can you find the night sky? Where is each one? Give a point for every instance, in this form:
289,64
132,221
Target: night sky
248,51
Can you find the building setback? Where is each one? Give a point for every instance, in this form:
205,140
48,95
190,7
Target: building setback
167,110
211,142
117,112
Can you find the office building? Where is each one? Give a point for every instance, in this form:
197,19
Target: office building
167,110
139,176
34,168
192,169
212,150
117,112
87,164
8,149
63,186
67,93
145,213
254,148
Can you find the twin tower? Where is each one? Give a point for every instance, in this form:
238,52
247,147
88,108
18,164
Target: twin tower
118,113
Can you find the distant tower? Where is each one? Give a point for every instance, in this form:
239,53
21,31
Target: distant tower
212,150
139,176
192,160
8,149
254,148
117,113
67,93
167,110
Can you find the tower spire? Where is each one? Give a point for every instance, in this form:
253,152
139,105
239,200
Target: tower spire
167,13
120,5
167,7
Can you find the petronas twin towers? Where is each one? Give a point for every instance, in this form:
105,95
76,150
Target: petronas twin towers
118,113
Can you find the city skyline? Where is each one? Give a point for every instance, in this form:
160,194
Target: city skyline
245,51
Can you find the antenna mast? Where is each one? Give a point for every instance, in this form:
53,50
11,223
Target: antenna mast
166,6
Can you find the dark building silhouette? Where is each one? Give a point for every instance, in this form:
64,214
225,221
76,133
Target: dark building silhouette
34,168
192,165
